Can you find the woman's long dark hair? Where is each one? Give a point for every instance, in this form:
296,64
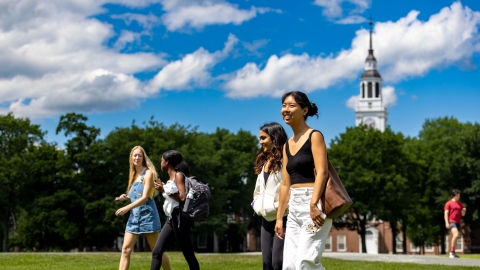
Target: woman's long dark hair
279,138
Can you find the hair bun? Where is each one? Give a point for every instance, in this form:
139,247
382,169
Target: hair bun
312,109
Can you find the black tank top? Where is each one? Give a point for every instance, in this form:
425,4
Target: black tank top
301,166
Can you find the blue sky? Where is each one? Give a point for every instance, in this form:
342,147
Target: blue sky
226,63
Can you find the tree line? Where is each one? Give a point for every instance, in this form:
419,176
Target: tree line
62,197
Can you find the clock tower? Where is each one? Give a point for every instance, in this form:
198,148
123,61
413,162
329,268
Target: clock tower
370,109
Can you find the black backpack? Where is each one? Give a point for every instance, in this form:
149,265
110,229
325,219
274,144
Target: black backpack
198,196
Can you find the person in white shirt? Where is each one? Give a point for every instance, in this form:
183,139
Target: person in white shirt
268,166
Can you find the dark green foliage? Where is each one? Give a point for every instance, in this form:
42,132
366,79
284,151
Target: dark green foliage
60,198
372,166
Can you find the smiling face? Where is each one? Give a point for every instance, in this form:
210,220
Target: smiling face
292,112
137,157
265,141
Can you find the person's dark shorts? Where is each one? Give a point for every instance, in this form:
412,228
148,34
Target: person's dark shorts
458,226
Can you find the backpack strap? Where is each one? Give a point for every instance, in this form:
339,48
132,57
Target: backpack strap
187,186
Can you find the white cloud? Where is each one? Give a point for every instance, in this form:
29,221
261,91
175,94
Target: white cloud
126,37
388,95
198,14
146,21
54,60
354,19
333,10
291,72
299,44
400,49
192,70
353,101
253,46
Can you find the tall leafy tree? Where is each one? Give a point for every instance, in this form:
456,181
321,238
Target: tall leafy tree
442,152
18,137
372,167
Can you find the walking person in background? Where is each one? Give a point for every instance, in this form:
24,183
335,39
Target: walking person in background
177,227
303,155
143,217
454,211
267,190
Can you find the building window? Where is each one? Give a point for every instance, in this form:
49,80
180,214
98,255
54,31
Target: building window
377,90
429,247
328,243
231,218
369,87
414,248
201,241
363,90
399,245
341,243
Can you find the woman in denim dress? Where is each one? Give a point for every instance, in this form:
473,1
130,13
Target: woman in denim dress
144,217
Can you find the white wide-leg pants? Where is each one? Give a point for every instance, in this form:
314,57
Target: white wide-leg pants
303,249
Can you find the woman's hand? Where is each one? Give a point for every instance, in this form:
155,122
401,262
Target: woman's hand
316,216
279,229
159,186
122,211
122,197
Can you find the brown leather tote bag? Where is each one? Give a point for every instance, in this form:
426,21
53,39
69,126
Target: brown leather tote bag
335,199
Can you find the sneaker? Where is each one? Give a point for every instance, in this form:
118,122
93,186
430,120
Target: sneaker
453,255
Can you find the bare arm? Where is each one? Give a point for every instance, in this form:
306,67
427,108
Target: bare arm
464,211
284,196
447,224
319,152
180,181
148,185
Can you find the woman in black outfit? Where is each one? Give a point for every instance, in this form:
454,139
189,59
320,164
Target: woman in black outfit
177,227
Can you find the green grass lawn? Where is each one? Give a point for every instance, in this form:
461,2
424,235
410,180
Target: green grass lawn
141,260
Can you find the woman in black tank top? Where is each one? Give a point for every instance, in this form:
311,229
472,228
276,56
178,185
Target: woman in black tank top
303,155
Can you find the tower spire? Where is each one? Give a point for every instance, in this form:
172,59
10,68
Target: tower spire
370,50
370,23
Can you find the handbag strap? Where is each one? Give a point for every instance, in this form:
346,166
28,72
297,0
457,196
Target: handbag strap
310,138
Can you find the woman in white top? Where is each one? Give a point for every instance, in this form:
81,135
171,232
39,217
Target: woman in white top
265,197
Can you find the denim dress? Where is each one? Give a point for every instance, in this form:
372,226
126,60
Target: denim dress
144,218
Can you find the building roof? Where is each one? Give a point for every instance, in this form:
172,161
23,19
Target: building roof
371,73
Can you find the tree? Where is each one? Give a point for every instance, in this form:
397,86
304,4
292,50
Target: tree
442,151
17,140
210,157
87,185
372,167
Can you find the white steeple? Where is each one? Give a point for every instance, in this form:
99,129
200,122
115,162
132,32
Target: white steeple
370,109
